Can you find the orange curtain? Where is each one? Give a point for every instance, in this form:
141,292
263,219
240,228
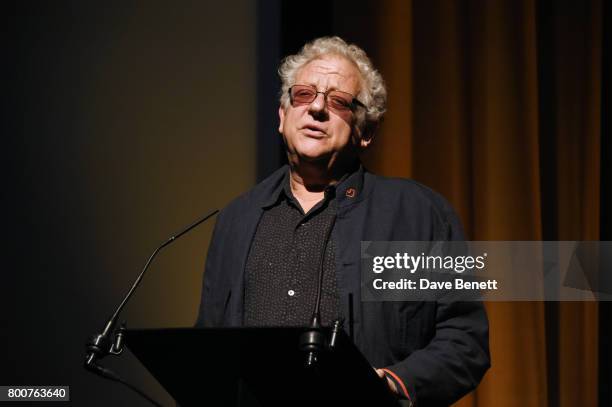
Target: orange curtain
496,104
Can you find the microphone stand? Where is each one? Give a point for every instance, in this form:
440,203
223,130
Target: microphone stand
110,340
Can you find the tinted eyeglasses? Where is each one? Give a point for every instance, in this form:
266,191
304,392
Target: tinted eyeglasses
338,101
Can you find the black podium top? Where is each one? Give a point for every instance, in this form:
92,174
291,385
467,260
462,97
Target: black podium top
255,367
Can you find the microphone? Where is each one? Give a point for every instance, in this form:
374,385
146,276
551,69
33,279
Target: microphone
102,344
312,340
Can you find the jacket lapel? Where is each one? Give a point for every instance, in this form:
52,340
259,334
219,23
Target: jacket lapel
244,238
262,196
348,233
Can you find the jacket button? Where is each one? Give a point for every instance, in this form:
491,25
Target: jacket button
291,293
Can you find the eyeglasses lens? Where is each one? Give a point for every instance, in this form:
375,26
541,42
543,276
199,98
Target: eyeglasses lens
336,100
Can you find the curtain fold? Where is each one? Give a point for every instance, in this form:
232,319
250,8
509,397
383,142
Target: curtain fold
394,22
497,105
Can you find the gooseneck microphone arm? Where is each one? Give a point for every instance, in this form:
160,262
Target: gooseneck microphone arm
316,313
312,340
109,342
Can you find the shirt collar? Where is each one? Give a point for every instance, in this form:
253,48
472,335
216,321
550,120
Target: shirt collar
346,190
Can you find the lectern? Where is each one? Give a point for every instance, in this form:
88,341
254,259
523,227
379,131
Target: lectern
262,367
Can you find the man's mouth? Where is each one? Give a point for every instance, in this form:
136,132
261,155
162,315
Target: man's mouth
314,131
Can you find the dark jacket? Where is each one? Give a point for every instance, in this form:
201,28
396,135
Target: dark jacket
440,350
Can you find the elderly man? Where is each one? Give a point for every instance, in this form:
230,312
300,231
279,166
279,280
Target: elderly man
270,244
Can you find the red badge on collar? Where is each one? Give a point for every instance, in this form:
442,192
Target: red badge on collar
350,192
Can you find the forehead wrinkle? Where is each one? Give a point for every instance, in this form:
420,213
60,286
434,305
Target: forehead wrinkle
324,74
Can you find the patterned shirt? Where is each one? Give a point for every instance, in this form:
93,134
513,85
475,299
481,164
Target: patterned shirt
282,270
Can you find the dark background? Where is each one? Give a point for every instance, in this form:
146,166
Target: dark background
125,121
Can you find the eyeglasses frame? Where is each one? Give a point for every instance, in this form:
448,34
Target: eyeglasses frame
354,101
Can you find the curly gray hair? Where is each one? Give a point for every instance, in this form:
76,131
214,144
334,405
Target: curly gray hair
373,93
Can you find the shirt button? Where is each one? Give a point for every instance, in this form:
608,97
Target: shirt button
291,293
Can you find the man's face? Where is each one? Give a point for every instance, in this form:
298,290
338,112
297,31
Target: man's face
312,131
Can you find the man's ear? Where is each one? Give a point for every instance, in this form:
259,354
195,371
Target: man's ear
281,117
365,140
366,135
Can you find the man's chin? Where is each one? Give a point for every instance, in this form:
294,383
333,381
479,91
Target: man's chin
314,157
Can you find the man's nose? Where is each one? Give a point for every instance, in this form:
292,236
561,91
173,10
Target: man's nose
318,104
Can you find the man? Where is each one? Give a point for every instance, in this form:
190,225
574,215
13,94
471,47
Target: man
270,244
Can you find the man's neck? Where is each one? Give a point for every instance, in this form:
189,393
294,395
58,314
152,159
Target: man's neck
308,183
308,194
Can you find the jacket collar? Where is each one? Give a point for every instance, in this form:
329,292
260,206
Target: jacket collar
348,190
